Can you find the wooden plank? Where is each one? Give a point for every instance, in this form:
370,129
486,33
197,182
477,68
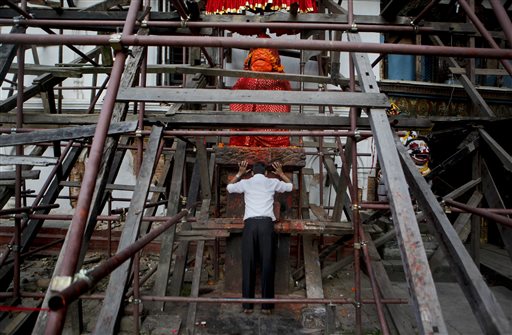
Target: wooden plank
496,259
462,226
220,96
8,52
27,160
40,83
499,151
214,119
181,253
118,187
398,313
494,200
462,189
469,146
419,279
63,134
167,244
314,288
486,308
471,90
114,293
340,186
32,174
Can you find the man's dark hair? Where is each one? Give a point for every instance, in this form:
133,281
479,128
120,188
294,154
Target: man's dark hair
259,167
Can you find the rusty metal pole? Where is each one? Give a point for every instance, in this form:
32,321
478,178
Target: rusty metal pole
70,256
19,152
503,19
226,42
74,291
503,220
485,33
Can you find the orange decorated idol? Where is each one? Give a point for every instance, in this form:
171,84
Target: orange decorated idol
261,60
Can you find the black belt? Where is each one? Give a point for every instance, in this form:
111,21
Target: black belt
259,217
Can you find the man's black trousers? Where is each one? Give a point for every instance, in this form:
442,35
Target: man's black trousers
258,246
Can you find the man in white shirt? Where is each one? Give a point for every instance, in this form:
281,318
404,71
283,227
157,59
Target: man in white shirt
258,239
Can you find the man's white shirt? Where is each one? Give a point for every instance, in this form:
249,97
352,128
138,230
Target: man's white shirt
259,194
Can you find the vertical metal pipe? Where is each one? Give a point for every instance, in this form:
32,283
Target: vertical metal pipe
136,293
503,19
19,152
69,262
485,33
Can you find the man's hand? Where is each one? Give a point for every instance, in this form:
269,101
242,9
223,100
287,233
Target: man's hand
242,169
278,170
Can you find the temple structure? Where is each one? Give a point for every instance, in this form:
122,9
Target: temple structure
121,123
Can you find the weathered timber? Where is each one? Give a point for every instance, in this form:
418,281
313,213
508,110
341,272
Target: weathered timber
499,151
486,308
493,199
63,134
33,226
173,205
398,313
462,226
467,148
106,5
222,96
112,187
119,278
471,90
27,160
290,158
496,259
282,226
107,172
8,52
340,185
32,174
181,253
314,288
41,83
419,279
462,189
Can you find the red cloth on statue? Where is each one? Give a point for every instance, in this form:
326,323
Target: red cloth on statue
261,84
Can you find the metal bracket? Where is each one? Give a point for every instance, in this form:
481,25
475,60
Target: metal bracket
60,283
357,245
353,28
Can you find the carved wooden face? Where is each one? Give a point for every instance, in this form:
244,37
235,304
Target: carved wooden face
260,61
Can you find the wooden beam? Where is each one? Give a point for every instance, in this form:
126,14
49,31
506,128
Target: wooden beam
419,279
32,174
499,151
154,94
63,134
8,52
27,160
114,293
486,308
471,90
494,200
462,226
167,244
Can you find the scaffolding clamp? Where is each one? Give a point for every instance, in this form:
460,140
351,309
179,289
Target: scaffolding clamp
14,130
144,23
115,43
357,134
138,133
357,245
60,283
184,21
353,28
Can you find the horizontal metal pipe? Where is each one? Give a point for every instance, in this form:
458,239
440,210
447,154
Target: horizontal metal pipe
481,212
26,209
58,23
338,301
274,43
64,217
79,287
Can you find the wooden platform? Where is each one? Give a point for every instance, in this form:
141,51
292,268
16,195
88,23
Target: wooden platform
496,259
